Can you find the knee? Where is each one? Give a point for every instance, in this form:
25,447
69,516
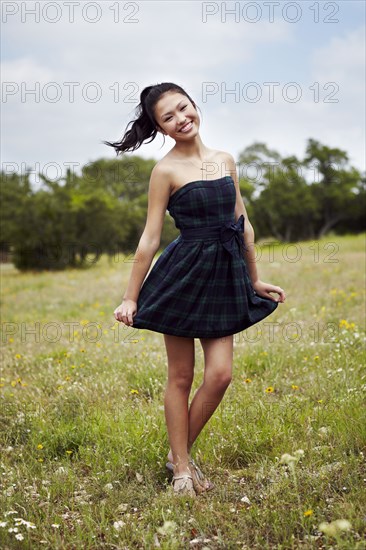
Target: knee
182,382
220,377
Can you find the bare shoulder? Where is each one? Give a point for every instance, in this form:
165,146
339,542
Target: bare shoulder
226,157
161,170
160,177
226,162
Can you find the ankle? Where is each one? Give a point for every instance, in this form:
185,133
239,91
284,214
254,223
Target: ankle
180,470
181,467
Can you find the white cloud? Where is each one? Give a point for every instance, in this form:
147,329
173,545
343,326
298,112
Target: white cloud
170,42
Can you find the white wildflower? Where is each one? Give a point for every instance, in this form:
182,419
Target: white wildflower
168,528
118,525
335,527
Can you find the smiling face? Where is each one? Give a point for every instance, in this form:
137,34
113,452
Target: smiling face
176,116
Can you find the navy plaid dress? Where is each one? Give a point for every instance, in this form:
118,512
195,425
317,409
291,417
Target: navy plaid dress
199,286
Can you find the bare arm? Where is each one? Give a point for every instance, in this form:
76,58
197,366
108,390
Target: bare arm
263,289
248,228
158,197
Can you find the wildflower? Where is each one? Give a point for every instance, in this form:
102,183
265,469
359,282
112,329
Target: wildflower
288,459
19,536
168,528
134,391
28,524
270,389
294,387
291,460
69,452
335,527
40,446
40,459
316,357
343,323
118,524
247,380
18,356
308,513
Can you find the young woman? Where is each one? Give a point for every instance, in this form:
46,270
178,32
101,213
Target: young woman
205,283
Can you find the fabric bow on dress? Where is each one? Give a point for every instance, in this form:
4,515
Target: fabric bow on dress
231,237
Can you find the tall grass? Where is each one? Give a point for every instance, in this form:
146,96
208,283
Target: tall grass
83,436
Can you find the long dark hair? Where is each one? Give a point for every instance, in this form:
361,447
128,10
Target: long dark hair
145,125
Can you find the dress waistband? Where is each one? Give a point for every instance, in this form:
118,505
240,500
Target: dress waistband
230,234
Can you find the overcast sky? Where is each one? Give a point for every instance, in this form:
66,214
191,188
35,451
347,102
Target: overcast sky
312,53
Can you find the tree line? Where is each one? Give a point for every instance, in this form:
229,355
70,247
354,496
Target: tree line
72,221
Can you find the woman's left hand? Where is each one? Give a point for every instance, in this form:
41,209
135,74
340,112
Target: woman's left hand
264,289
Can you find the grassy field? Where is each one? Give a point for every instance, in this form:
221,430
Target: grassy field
83,436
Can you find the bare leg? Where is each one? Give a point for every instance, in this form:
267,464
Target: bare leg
218,355
180,353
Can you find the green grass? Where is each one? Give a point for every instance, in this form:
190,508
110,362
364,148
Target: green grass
80,450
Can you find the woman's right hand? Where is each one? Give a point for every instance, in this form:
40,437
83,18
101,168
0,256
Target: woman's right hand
125,312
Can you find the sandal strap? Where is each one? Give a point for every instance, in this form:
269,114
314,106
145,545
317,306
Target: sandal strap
183,476
199,472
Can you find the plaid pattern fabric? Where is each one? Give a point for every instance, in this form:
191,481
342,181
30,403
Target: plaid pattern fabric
199,286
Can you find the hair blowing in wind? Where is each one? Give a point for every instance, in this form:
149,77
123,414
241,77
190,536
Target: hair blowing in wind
145,127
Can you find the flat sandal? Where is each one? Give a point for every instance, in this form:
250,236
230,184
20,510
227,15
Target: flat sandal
200,482
186,487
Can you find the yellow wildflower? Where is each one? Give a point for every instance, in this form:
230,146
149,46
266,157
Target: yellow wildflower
270,389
